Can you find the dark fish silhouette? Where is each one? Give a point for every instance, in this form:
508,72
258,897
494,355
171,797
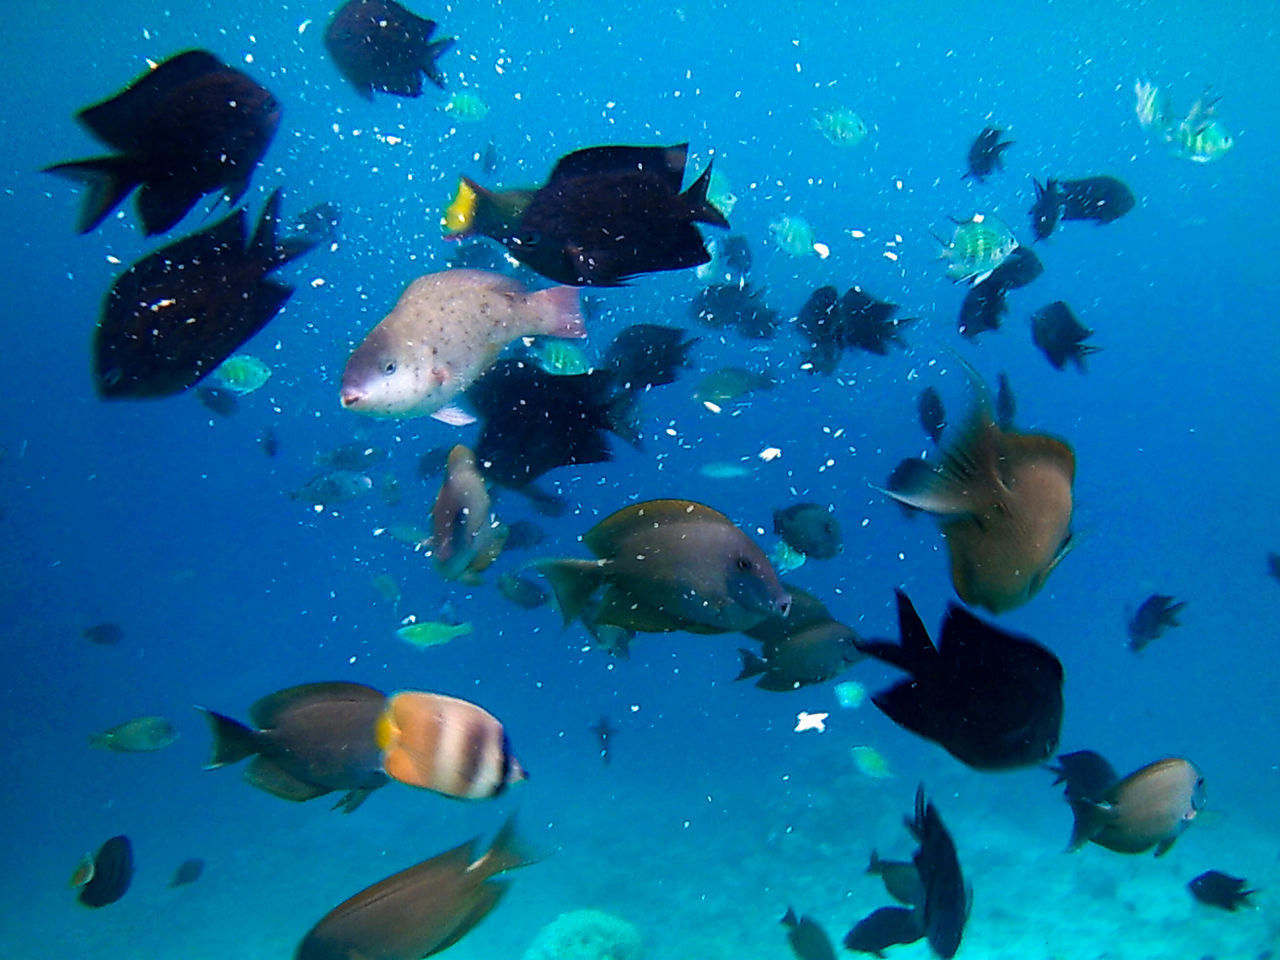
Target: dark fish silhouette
901,879
1101,199
1006,402
218,400
1060,336
884,928
604,732
268,442
188,871
832,323
187,128
1219,889
420,911
1151,807
535,421
807,938
736,305
984,305
809,528
737,253
111,874
1018,269
523,534
1087,775
946,896
800,654
991,699
379,45
933,417
1273,565
1047,209
105,634
986,154
173,316
1156,614
648,355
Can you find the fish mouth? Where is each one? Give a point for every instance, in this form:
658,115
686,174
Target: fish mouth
351,397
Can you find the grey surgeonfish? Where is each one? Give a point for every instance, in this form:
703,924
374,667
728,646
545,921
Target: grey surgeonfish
1151,807
807,938
900,878
884,928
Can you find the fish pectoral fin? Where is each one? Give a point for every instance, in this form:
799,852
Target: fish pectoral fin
1165,845
264,774
572,583
453,415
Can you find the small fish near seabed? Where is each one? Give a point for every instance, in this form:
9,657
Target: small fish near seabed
978,246
901,879
307,741
139,735
947,898
883,928
1060,336
104,877
467,106
420,911
187,127
1218,889
807,938
991,699
380,45
431,633
669,565
466,537
1151,807
174,316
1156,615
870,762
446,330
1004,501
841,127
188,872
810,528
986,153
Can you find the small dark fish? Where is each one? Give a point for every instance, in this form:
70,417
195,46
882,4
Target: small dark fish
604,732
1087,775
217,400
188,871
1157,614
187,128
736,305
1151,807
1273,565
901,879
983,308
737,253
1060,336
1219,889
807,938
1101,199
986,153
523,592
489,159
523,534
333,487
648,355
991,699
805,655
1018,269
1047,208
268,442
884,928
809,528
933,418
176,314
106,634
946,896
1006,402
831,323
320,223
379,45
420,911
111,874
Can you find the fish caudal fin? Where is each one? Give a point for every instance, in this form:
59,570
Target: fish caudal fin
264,243
109,179
700,208
429,56
752,665
559,312
232,740
505,853
572,583
1090,818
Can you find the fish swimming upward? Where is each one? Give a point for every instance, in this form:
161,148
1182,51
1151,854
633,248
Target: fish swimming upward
379,45
986,154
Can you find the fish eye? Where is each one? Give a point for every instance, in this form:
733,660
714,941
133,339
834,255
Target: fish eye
388,367
744,564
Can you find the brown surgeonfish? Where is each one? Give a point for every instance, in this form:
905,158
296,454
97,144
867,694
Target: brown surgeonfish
311,739
669,565
465,535
1148,808
447,745
1004,501
420,911
810,528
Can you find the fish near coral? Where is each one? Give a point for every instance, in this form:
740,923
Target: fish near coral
380,45
465,535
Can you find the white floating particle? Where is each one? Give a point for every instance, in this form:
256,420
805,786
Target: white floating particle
822,250
302,27
112,258
671,431
769,453
898,184
890,255
857,234
714,408
318,282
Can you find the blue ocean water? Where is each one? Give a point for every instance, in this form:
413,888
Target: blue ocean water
713,815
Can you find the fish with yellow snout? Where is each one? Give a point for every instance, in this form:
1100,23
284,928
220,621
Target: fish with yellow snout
669,565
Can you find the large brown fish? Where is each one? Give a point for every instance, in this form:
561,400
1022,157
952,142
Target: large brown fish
465,536
188,127
379,45
1148,808
670,565
419,911
312,739
1004,500
446,329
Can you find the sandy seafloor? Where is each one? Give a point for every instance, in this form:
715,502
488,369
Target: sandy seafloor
713,816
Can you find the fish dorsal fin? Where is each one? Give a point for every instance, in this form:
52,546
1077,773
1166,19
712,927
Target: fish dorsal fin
266,712
700,208
915,652
605,538
1025,448
666,162
964,480
117,121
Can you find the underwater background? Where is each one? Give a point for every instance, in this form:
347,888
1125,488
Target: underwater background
713,815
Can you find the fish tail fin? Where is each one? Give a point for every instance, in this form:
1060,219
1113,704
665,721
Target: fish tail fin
109,179
789,918
752,665
1090,818
506,852
429,56
572,582
875,865
559,312
700,208
232,740
265,244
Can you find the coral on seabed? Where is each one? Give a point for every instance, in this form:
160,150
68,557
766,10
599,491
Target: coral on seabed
586,935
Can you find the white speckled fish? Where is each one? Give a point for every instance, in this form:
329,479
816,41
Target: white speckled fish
446,329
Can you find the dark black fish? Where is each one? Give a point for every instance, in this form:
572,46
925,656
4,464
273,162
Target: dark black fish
106,634
1219,889
1102,199
173,316
320,223
379,45
809,528
933,418
1018,269
1006,403
901,879
268,442
609,213
737,253
946,896
1156,614
648,355
885,928
188,871
982,309
604,732
112,873
1047,208
187,128
737,305
1273,565
991,699
1087,775
535,421
986,154
807,938
218,400
832,323
1060,336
